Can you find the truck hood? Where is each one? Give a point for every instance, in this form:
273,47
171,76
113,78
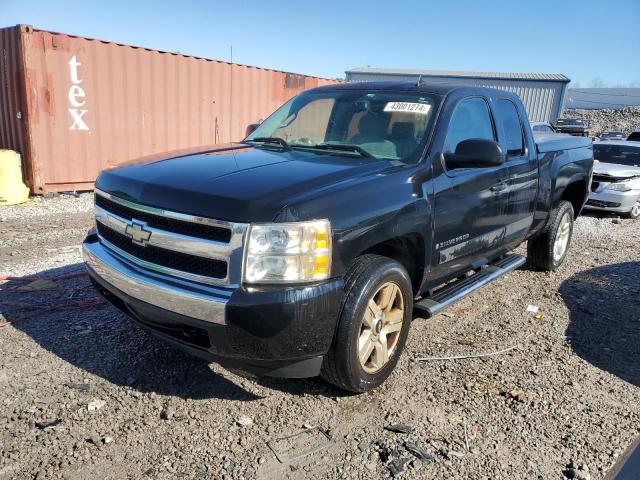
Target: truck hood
237,183
615,170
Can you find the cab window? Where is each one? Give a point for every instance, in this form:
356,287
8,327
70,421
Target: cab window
511,128
470,119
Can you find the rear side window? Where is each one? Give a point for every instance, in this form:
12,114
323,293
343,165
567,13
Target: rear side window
511,128
471,119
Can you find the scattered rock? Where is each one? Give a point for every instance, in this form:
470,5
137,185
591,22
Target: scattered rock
399,428
107,440
616,220
384,451
396,467
450,454
517,394
48,424
244,421
435,401
83,387
577,473
95,404
419,452
166,413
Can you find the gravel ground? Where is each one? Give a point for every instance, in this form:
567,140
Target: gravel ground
625,120
87,394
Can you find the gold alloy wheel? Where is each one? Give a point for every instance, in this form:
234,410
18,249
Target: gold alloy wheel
381,326
562,238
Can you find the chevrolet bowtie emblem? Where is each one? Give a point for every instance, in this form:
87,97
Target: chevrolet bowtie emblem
137,233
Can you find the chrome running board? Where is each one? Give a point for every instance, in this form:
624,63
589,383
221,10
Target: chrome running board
459,289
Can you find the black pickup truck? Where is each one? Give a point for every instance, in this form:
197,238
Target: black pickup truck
308,248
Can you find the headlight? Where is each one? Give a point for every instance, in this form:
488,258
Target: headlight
619,187
288,252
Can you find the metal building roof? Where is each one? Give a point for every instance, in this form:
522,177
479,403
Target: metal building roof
545,77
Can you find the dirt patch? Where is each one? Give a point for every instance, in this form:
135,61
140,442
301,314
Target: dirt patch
87,394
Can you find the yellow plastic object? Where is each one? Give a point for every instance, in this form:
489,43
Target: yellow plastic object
12,189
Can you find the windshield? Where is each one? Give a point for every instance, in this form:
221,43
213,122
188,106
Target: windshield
620,154
384,125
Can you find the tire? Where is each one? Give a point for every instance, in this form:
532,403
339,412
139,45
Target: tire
540,249
634,213
369,278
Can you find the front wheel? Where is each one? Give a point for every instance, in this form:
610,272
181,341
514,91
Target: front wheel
373,324
634,213
548,249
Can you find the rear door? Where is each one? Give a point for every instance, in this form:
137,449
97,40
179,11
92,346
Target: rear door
521,169
470,203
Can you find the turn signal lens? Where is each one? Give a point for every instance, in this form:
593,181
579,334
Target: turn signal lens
288,252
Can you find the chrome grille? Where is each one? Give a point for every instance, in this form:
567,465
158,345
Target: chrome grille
208,267
191,247
200,230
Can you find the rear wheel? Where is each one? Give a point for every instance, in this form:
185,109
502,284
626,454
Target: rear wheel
635,211
548,249
373,324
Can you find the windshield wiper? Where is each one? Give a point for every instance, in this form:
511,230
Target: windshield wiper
272,140
341,146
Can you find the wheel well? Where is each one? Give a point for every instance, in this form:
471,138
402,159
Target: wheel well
408,250
576,194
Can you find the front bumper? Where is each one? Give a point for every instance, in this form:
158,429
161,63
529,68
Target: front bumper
275,331
612,201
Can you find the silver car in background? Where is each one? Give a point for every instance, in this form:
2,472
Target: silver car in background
542,127
616,178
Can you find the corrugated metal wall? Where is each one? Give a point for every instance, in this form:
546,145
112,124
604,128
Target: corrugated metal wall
95,104
542,99
12,127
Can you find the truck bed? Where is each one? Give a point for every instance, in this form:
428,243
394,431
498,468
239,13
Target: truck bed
553,142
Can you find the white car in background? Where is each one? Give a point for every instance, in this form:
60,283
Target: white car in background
542,127
616,178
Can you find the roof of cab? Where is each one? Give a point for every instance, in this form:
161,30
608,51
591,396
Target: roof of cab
426,87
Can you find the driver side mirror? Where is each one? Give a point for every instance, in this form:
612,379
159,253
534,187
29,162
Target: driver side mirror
251,128
475,153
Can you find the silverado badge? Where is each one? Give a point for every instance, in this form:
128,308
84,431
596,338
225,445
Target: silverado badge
138,234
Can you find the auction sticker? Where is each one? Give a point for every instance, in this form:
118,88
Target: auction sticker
407,107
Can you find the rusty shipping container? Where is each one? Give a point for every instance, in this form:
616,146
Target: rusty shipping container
72,106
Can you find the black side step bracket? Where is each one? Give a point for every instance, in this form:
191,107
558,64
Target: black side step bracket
459,289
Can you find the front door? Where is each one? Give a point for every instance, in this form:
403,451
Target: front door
469,203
